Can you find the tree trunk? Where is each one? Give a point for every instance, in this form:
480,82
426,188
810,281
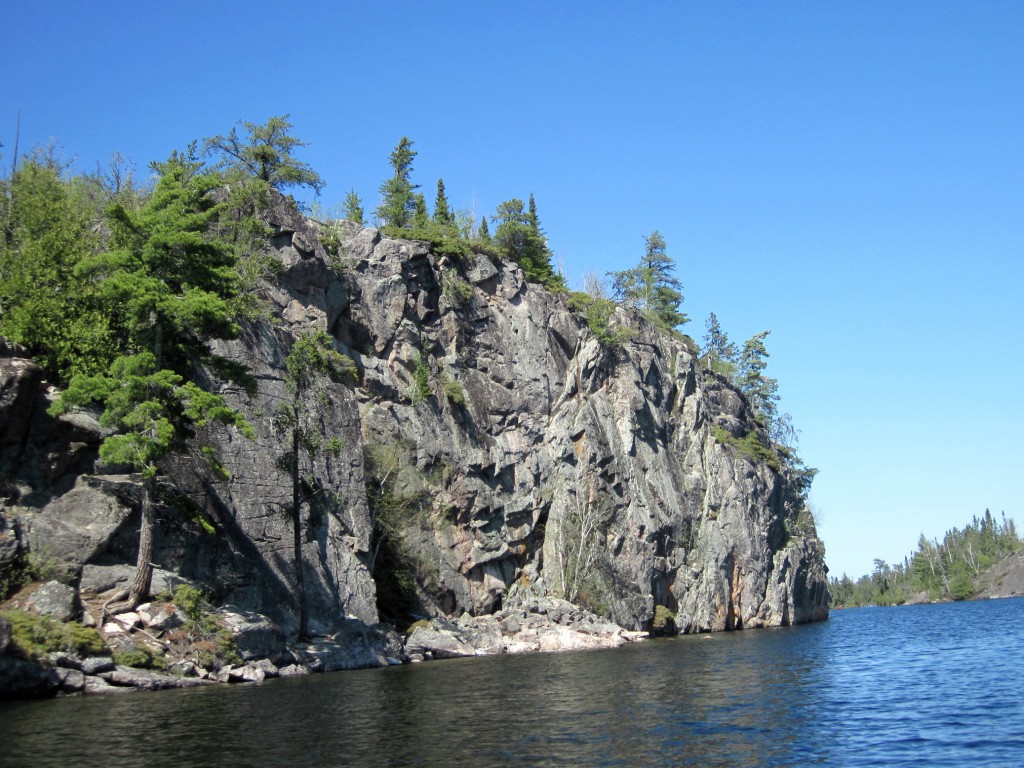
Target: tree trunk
297,537
144,564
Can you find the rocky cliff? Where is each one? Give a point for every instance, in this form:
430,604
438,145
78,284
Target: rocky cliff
491,448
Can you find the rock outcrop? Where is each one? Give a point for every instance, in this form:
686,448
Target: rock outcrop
491,443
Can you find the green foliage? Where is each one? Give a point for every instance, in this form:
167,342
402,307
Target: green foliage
421,380
141,657
154,411
720,354
265,152
951,569
456,290
442,213
751,446
598,313
50,229
398,202
191,601
453,390
650,287
760,390
664,621
396,505
353,207
520,240
33,636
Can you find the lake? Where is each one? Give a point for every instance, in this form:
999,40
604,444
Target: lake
928,685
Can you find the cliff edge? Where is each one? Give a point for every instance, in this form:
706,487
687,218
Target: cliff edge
492,447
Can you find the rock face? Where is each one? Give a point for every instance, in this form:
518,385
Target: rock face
490,442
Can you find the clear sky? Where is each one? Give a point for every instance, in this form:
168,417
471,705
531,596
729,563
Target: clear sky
848,175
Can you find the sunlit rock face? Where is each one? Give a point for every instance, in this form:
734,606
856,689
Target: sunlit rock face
500,442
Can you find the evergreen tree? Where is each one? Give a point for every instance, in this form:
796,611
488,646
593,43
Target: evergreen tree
650,286
483,233
531,213
719,352
397,199
522,243
50,229
420,215
169,286
760,390
442,213
265,152
311,360
353,207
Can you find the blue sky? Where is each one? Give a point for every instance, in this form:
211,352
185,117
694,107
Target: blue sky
848,175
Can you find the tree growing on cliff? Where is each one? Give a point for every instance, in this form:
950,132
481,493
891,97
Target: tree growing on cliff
760,390
265,152
650,286
168,285
518,235
353,207
49,230
720,354
398,201
311,361
442,211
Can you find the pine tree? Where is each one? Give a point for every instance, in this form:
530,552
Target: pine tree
650,286
353,207
265,152
442,213
169,285
397,198
483,234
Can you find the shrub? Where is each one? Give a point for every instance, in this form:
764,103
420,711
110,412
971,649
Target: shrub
190,600
421,377
140,657
34,636
453,391
664,621
749,446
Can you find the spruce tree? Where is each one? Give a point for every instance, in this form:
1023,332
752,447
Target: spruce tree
522,243
442,212
650,287
483,233
397,193
353,207
170,285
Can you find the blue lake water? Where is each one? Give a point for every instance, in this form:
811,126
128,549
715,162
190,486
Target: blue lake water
930,685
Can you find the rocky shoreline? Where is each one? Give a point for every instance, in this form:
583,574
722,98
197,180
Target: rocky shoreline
258,648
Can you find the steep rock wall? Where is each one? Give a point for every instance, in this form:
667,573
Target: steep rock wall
504,448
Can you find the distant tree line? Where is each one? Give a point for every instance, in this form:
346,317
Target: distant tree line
950,569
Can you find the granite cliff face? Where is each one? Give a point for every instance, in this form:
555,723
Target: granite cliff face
491,448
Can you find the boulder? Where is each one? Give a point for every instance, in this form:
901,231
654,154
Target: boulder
255,636
77,527
56,600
